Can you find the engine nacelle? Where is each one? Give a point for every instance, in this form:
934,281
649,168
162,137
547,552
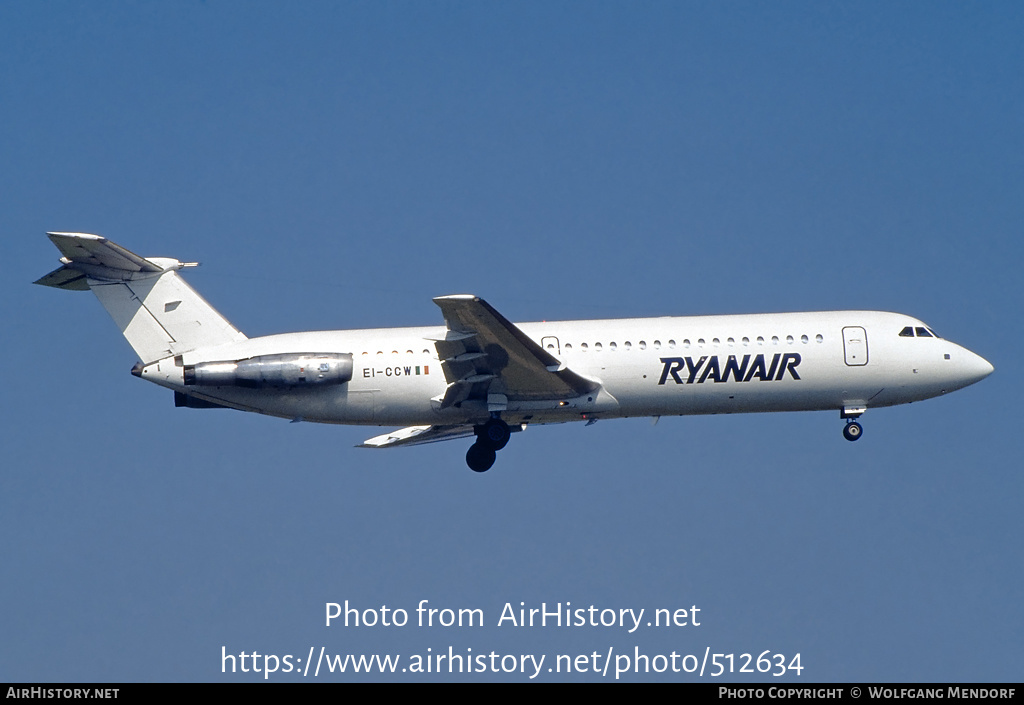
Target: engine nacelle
284,370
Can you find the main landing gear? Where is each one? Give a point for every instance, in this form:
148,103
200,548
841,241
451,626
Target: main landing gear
490,438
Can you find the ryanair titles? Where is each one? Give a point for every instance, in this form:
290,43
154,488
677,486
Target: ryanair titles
687,370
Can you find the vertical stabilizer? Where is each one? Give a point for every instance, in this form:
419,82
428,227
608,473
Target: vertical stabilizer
155,308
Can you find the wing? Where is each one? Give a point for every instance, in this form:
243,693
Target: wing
484,356
417,435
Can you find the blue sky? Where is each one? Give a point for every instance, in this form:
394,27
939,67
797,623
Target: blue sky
336,165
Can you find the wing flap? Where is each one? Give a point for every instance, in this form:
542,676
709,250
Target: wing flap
484,352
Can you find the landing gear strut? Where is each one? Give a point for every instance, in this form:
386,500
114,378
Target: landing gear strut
490,438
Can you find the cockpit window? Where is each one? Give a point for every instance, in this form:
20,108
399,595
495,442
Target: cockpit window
918,332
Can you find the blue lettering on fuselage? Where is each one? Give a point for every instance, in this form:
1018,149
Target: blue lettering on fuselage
742,369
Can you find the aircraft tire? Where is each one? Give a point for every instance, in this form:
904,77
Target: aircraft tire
480,457
494,433
853,431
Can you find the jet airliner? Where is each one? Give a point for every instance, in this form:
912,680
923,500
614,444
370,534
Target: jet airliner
480,375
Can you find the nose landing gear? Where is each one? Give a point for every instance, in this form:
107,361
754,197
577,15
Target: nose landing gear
490,438
852,431
851,413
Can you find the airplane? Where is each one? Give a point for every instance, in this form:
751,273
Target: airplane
480,375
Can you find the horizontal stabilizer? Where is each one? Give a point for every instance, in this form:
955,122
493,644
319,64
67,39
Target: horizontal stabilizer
156,310
65,277
82,248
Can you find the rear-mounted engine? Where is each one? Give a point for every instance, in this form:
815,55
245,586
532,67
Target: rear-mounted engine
286,370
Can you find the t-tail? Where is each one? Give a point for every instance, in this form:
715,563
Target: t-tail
158,312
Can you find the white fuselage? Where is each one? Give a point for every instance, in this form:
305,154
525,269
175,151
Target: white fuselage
838,360
481,375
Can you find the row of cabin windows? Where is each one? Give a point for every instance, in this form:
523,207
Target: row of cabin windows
731,342
642,345
908,332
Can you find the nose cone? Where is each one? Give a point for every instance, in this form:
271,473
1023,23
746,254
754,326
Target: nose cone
982,368
972,367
